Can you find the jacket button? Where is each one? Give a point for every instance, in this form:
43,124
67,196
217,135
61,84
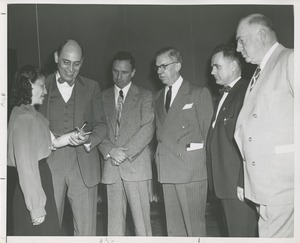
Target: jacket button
180,155
253,163
183,127
254,115
250,139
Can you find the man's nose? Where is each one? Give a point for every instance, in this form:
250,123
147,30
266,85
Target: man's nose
238,47
119,75
212,71
159,70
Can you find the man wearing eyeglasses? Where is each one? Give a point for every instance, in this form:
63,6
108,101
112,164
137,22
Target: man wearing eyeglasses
183,116
265,126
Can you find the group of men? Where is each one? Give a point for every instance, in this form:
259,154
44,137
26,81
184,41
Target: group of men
246,144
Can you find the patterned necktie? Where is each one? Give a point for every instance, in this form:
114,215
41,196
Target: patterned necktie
70,83
119,112
168,98
255,77
225,89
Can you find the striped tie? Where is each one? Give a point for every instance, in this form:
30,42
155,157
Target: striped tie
255,77
119,112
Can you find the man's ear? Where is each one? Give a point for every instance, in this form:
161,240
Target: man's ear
132,73
234,65
262,34
56,57
178,66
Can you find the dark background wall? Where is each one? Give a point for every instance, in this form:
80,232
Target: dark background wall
34,32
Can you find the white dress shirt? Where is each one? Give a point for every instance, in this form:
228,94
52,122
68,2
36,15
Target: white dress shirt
223,99
65,89
175,88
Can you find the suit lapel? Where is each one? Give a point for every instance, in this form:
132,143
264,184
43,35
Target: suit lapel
49,85
160,107
79,103
180,100
129,103
110,107
227,101
251,97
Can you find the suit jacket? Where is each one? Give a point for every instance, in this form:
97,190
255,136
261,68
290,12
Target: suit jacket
186,122
225,164
265,132
88,108
136,132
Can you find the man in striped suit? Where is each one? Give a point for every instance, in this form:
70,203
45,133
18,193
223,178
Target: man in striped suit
183,116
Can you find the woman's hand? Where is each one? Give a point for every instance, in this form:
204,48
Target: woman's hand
38,221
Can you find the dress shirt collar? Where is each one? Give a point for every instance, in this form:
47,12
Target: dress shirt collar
231,84
125,91
175,88
267,56
62,85
176,85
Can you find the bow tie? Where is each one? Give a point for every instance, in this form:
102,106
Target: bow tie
61,81
225,89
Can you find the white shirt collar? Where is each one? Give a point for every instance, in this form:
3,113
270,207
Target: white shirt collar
267,56
231,84
175,88
125,91
64,89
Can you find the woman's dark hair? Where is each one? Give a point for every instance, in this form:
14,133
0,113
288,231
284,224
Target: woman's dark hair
24,77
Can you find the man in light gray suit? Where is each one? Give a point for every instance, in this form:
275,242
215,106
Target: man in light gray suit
183,116
265,126
127,165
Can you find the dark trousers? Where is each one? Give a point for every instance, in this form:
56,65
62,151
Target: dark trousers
241,218
21,216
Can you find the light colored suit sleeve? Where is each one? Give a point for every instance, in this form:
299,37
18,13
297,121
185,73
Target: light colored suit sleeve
143,136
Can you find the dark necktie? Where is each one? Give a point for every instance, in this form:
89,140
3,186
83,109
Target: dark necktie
119,112
255,77
168,98
61,81
225,89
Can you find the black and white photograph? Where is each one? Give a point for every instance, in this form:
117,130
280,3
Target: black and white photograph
154,121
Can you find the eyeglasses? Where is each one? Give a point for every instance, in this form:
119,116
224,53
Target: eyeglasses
163,66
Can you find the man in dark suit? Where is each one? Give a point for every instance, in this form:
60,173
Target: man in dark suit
73,100
183,115
224,160
127,166
265,126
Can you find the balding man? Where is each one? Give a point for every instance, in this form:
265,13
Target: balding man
183,115
265,126
72,101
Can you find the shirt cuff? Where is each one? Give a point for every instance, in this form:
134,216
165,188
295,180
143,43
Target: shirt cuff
87,146
36,213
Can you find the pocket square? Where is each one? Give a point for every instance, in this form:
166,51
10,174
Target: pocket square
194,146
188,106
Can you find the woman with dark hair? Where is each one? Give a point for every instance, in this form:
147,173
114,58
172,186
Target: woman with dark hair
29,144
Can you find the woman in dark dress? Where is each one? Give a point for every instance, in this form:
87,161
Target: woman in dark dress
29,144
